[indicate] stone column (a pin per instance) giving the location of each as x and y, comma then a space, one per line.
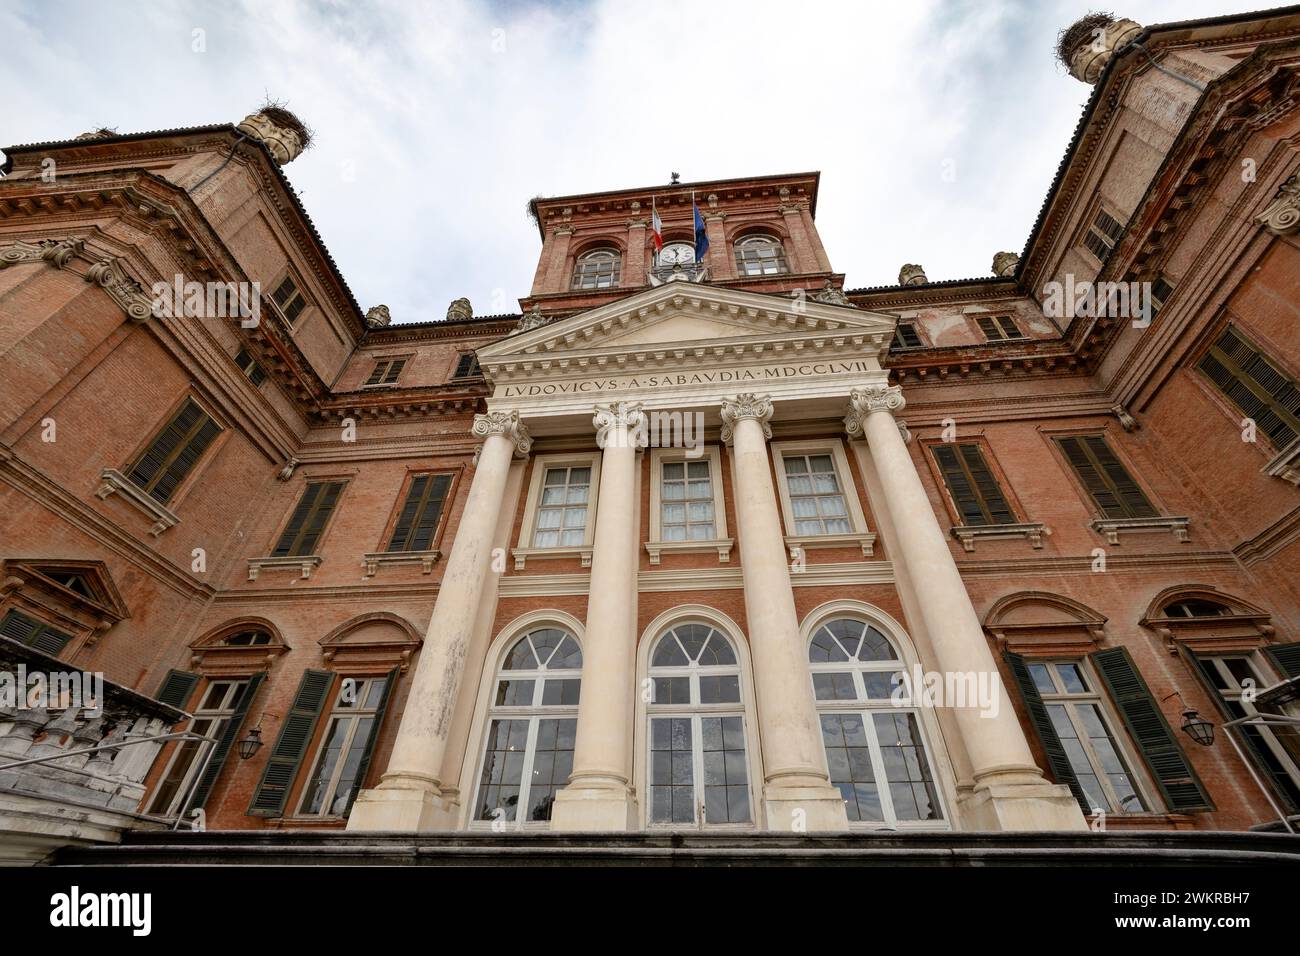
1010, 792
598, 796
797, 793
409, 796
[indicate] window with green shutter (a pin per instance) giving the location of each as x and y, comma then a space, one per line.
1150, 732
226, 737
176, 688
289, 300
1255, 385
173, 452
418, 520
974, 489
291, 746
1286, 658
309, 519
37, 635
1058, 762
1112, 488
248, 365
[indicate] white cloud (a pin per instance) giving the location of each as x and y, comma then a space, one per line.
452, 115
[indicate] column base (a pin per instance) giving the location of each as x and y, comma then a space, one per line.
594, 809
1020, 800
807, 809
408, 806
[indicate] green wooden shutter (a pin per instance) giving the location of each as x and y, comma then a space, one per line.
466, 366
35, 634
291, 746
362, 768
319, 518
1009, 328
176, 688
186, 457
1149, 730
986, 486
1256, 385
1058, 762
1130, 496
1286, 658
1113, 490
164, 445
173, 452
300, 512
377, 374
394, 370
959, 485
222, 749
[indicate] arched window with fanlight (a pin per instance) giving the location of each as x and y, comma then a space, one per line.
698, 770
532, 721
760, 255
597, 269
875, 747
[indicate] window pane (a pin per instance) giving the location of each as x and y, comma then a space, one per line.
849, 759
906, 767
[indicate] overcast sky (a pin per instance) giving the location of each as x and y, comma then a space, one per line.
937, 126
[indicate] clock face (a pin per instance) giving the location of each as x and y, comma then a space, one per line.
677, 254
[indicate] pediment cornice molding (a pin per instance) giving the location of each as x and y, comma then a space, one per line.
620, 335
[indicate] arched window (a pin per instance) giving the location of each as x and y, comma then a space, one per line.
250, 637
1195, 607
760, 255
699, 766
874, 746
597, 269
532, 721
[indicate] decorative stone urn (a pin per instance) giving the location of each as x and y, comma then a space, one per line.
284, 143
912, 274
460, 310
378, 316
1004, 263
1095, 50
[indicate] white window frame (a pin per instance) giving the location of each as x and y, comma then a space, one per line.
694, 711
524, 549
860, 535
218, 717
534, 713
1093, 696
865, 709
720, 542
1264, 678
337, 713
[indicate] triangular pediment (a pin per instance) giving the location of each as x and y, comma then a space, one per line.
696, 319
85, 585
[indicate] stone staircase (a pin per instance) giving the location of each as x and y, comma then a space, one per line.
335, 848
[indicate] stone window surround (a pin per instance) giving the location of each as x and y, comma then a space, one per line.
112, 481
523, 549
1032, 531
720, 543
1113, 528
860, 535
371, 561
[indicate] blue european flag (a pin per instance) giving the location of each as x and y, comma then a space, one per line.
701, 237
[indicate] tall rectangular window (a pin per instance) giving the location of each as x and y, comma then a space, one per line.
1080, 722
686, 501
975, 491
289, 300
309, 519
1260, 390
1112, 488
816, 498
997, 328
1102, 235
386, 371
418, 520
218, 706
173, 452
562, 510
344, 748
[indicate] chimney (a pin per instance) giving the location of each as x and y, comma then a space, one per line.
1087, 45
912, 274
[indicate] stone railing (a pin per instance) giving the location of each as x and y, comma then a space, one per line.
89, 795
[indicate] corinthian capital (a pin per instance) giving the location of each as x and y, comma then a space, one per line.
746, 405
864, 401
622, 423
503, 423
